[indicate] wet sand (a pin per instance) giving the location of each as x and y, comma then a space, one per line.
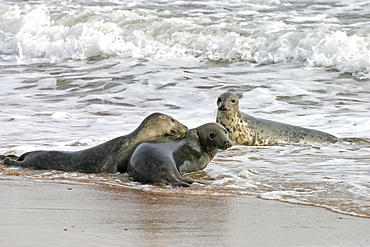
45, 213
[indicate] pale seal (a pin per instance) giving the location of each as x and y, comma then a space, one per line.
163, 161
111, 156
251, 131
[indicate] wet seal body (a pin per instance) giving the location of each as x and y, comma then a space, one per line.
247, 130
163, 161
111, 156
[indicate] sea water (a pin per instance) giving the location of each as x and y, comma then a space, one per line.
76, 73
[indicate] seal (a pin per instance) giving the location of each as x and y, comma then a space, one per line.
163, 161
251, 131
110, 157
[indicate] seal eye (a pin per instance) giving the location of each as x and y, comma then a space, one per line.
218, 100
212, 135
172, 120
233, 101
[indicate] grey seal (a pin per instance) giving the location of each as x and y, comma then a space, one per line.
247, 130
164, 161
111, 156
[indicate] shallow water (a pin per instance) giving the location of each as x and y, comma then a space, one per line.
77, 73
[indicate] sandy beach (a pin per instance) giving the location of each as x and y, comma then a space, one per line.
45, 213
76, 74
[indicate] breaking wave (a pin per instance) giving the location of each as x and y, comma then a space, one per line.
56, 32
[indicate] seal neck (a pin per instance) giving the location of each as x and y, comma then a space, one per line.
140, 134
210, 151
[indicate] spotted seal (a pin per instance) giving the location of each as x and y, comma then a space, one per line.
163, 161
110, 157
251, 131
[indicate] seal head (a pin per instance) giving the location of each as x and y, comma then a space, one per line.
228, 102
240, 129
159, 124
213, 137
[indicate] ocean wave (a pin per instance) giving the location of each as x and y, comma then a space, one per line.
48, 33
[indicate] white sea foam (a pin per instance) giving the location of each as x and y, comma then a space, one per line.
35, 33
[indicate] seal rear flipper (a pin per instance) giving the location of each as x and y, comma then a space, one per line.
10, 156
10, 162
2, 157
13, 157
354, 140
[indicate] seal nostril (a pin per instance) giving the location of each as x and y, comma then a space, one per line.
227, 144
222, 108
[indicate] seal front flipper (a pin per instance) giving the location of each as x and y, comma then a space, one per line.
179, 184
187, 180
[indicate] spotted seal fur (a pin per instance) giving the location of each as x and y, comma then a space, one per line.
247, 130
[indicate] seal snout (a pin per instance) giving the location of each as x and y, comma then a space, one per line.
227, 144
180, 132
184, 131
222, 107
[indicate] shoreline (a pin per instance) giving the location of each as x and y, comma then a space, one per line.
44, 213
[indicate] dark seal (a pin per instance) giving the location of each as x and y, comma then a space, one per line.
163, 161
247, 130
111, 156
